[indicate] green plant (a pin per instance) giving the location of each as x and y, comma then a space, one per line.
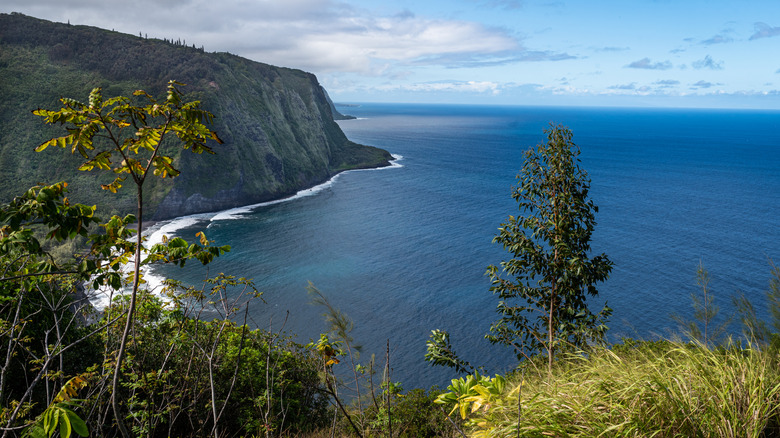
636, 389
59, 415
473, 393
127, 139
190, 371
386, 412
42, 341
702, 328
550, 272
763, 333
440, 352
329, 352
412, 414
188, 361
340, 326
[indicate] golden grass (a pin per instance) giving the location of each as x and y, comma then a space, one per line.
666, 389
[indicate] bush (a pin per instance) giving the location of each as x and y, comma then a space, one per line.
179, 366
413, 414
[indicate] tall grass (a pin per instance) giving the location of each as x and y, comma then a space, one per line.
653, 389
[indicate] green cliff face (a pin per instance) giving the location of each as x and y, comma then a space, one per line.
277, 123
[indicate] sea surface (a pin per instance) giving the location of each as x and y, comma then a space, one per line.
403, 250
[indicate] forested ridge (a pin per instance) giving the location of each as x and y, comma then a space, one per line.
277, 123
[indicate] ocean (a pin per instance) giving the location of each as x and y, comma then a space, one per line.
403, 250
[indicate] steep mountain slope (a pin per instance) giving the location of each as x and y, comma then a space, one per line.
277, 123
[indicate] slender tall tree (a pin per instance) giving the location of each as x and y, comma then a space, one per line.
542, 289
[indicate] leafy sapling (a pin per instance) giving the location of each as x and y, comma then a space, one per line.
128, 138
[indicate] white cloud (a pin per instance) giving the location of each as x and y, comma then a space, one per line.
609, 49
314, 35
646, 63
631, 86
465, 50
708, 63
717, 39
703, 84
667, 83
450, 86
764, 30
565, 90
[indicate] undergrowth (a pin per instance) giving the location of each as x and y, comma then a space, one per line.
661, 389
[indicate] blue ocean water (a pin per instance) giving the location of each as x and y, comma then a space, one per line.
403, 250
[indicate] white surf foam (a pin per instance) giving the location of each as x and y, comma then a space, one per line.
155, 234
239, 212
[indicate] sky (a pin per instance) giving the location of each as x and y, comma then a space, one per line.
640, 53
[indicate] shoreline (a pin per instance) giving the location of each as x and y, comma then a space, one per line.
154, 230
393, 163
230, 213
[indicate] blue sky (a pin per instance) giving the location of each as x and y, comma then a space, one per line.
648, 53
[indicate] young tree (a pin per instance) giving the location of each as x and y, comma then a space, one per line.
543, 288
702, 328
127, 139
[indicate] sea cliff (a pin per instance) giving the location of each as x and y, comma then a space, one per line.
277, 123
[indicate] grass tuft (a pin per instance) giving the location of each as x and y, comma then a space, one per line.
648, 389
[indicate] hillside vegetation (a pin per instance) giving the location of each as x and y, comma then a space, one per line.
277, 123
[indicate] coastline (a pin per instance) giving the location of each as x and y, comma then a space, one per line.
155, 230
233, 213
392, 163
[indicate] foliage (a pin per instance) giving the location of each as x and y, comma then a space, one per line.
440, 352
340, 326
412, 414
42, 339
133, 133
59, 416
187, 356
188, 362
125, 137
641, 389
46, 208
705, 311
398, 413
550, 272
635, 388
186, 373
474, 393
368, 409
754, 329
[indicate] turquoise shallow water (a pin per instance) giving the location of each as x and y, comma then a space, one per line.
403, 250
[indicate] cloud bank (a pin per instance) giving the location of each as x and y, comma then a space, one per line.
314, 35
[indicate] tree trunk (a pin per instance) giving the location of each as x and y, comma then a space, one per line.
130, 317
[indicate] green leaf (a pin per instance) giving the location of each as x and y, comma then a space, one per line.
65, 429
35, 431
78, 425
50, 419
